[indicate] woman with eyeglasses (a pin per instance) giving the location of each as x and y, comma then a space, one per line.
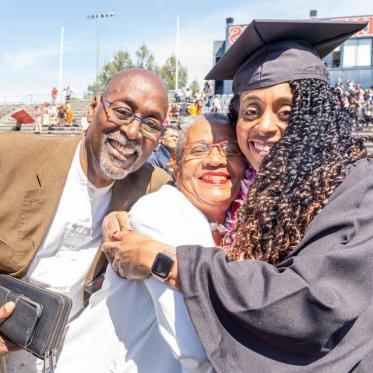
293, 289
131, 319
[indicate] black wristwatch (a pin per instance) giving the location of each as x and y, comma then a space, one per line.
162, 266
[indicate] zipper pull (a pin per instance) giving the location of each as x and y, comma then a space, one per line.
50, 361
46, 364
53, 359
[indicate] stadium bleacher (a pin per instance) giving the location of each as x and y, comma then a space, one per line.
7, 123
79, 108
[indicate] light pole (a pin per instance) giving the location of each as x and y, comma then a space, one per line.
177, 56
97, 17
61, 65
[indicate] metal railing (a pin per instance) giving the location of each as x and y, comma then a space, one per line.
30, 99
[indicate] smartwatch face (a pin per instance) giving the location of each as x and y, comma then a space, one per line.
162, 265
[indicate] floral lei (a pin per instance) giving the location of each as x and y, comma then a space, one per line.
227, 230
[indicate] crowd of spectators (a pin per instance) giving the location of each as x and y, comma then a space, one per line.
52, 115
359, 100
186, 103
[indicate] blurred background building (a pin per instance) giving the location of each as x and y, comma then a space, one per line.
352, 61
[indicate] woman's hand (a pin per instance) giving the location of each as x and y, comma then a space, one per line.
130, 254
134, 254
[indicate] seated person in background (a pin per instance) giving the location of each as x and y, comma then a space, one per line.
192, 109
165, 152
69, 114
46, 116
52, 112
61, 115
174, 112
183, 110
143, 326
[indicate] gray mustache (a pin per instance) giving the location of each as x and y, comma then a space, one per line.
124, 141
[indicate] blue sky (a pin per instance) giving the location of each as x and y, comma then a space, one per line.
30, 34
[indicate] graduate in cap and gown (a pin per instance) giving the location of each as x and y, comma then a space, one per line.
293, 290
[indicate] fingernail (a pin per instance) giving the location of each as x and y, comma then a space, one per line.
9, 307
116, 235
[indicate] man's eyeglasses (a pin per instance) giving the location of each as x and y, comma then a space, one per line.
122, 116
199, 149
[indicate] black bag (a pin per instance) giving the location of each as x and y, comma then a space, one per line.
39, 319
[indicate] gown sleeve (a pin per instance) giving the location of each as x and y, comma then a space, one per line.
299, 311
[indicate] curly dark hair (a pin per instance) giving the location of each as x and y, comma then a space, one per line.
301, 172
234, 108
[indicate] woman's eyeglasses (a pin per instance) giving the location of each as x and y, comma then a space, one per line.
202, 149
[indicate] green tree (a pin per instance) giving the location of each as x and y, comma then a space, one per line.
146, 59
195, 88
120, 61
168, 71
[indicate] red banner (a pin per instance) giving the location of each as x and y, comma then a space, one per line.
22, 116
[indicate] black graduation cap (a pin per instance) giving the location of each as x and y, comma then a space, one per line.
270, 52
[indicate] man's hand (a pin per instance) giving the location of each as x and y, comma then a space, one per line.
5, 311
133, 256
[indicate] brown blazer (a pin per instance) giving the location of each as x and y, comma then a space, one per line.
33, 171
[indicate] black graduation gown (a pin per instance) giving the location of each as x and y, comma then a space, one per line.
311, 313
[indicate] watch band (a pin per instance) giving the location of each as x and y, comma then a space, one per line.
163, 264
170, 251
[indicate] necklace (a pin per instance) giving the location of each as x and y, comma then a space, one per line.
228, 229
217, 232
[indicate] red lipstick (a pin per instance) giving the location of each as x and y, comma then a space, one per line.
217, 178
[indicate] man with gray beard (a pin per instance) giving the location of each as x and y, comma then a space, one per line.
56, 191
